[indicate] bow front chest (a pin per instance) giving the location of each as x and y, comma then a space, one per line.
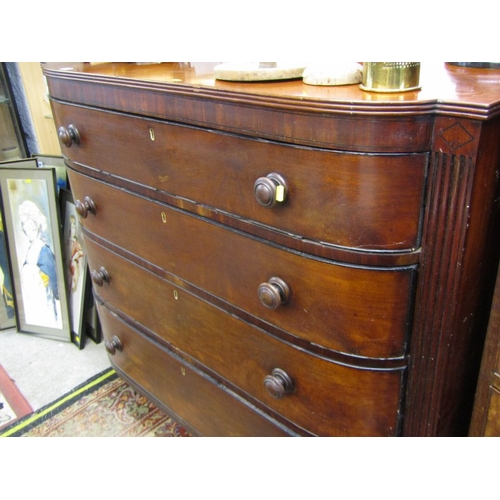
277, 258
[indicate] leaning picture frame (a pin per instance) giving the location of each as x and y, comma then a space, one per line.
75, 267
7, 303
22, 163
56, 162
33, 229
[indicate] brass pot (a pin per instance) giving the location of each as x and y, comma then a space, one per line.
391, 76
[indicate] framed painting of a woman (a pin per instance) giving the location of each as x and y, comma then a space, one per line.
33, 231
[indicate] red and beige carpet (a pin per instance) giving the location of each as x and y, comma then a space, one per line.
104, 406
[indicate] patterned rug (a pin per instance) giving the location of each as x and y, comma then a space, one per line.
104, 406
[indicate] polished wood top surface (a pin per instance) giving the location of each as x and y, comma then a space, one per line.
446, 88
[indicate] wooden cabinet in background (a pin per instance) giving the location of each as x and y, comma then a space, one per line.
277, 258
486, 415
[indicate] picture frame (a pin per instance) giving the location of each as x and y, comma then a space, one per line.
31, 215
24, 163
56, 162
75, 267
7, 302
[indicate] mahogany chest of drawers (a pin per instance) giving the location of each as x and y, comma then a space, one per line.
282, 259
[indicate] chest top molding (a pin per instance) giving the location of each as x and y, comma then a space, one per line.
446, 89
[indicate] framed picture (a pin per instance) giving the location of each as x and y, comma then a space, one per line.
7, 303
26, 163
56, 162
75, 267
31, 219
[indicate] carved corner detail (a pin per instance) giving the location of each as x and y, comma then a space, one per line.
457, 137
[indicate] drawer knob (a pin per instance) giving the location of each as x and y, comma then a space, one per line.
278, 383
100, 277
274, 293
83, 208
270, 190
113, 345
69, 136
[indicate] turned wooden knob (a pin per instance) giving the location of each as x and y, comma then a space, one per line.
270, 190
113, 345
99, 277
278, 383
274, 293
69, 136
83, 208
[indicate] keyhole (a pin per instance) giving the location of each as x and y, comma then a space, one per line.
151, 134
164, 217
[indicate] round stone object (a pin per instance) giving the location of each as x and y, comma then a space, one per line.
333, 74
258, 72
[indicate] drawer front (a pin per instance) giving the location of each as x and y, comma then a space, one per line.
362, 201
360, 311
327, 398
208, 410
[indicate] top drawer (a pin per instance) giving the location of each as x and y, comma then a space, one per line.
362, 201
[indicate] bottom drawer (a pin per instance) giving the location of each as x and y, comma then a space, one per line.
207, 409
